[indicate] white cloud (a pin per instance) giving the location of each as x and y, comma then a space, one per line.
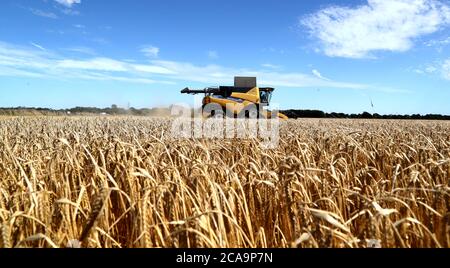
438, 44
273, 50
317, 74
55, 32
215, 74
23, 58
430, 69
213, 54
38, 46
444, 69
82, 50
17, 61
70, 12
101, 64
441, 42
440, 68
6, 71
299, 80
379, 25
270, 66
25, 61
150, 51
152, 69
107, 77
68, 3
44, 14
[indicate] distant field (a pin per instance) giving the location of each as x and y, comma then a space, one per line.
121, 182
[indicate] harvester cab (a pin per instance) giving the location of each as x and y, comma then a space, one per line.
244, 99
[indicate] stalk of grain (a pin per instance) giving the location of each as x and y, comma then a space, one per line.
5, 236
96, 209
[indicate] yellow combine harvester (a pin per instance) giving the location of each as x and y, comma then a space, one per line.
243, 100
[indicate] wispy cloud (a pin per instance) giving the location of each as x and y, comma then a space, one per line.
431, 69
317, 74
68, 3
100, 41
270, 66
215, 74
13, 72
19, 61
273, 50
439, 44
150, 51
213, 55
67, 7
60, 32
152, 69
100, 64
385, 89
379, 25
440, 68
82, 50
38, 46
28, 61
70, 12
45, 14
446, 69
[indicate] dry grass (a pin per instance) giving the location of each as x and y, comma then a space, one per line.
118, 182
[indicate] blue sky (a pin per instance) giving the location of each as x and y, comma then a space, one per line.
329, 55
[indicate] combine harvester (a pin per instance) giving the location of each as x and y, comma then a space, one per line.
245, 99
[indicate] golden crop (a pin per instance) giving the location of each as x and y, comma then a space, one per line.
120, 182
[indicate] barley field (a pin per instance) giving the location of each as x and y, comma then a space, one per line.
120, 182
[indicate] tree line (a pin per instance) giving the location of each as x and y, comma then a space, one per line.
364, 115
113, 110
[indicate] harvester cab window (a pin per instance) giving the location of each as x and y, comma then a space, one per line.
265, 96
